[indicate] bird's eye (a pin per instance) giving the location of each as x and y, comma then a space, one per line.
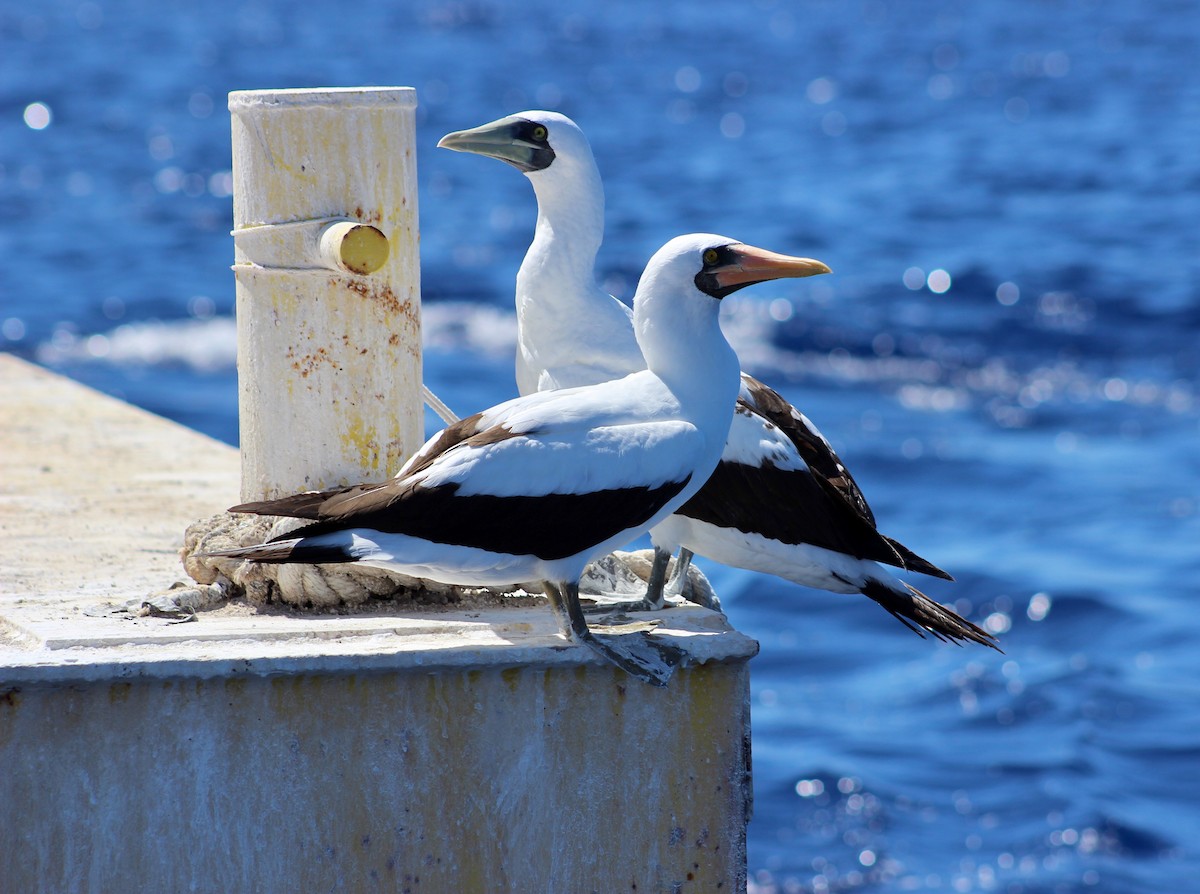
539, 133
710, 256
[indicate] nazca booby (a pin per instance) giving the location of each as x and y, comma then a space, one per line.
537, 487
780, 501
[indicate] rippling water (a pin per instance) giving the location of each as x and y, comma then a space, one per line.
1006, 355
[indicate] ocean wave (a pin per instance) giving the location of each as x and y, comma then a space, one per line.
210, 345
205, 345
929, 375
453, 326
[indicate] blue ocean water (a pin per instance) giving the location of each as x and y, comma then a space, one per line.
1006, 356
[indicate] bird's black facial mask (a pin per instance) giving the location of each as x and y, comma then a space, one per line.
531, 142
716, 259
522, 143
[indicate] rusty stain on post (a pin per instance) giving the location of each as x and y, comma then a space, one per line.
329, 366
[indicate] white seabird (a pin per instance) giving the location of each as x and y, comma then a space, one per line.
537, 487
780, 501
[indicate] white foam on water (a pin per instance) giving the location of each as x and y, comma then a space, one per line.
465, 326
926, 381
208, 345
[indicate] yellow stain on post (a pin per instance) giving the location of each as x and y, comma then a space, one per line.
360, 443
285, 303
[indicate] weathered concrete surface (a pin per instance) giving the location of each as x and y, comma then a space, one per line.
488, 781
94, 493
265, 751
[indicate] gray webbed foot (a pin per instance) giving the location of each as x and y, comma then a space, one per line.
634, 652
639, 655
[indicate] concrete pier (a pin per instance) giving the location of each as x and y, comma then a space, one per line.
261, 750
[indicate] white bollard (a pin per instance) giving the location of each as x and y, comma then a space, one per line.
328, 286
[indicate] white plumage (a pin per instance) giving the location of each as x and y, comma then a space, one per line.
781, 501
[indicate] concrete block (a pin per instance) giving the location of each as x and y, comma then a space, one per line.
469, 750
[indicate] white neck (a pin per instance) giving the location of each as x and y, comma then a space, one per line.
570, 228
675, 331
570, 332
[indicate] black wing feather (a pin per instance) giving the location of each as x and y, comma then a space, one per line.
765, 499
549, 526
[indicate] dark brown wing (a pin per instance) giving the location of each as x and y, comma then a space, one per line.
821, 505
916, 611
549, 526
815, 450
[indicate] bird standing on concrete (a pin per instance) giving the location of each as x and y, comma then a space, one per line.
780, 501
537, 487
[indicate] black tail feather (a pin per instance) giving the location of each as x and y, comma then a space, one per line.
910, 561
284, 552
920, 614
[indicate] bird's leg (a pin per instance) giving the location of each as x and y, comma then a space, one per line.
678, 581
677, 586
658, 577
558, 603
573, 612
635, 653
658, 587
652, 601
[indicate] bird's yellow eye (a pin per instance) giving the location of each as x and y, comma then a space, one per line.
539, 133
710, 256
